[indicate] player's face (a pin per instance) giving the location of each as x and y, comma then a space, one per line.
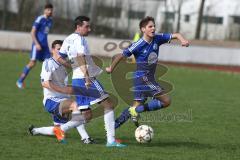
56, 49
84, 29
149, 29
48, 12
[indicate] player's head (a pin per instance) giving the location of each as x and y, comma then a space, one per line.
147, 26
56, 45
82, 25
48, 9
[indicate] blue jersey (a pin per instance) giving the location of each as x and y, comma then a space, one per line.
146, 54
42, 26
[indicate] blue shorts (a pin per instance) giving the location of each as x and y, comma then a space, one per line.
145, 87
86, 97
39, 55
52, 106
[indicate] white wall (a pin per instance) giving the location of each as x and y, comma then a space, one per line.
168, 52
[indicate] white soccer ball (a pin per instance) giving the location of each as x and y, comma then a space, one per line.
144, 134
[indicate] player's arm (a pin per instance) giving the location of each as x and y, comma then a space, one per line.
64, 62
116, 59
34, 38
50, 85
80, 59
179, 37
81, 62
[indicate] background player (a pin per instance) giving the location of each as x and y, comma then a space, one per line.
146, 51
40, 49
56, 101
84, 76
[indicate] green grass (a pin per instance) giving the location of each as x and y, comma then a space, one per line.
203, 121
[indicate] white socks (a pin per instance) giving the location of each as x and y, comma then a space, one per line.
77, 119
109, 125
48, 131
82, 131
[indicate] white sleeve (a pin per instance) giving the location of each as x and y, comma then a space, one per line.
46, 73
63, 51
79, 47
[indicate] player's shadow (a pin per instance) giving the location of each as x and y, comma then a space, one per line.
179, 144
195, 145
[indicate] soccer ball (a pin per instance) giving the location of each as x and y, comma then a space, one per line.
144, 134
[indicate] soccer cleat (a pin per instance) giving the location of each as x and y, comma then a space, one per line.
30, 129
20, 85
134, 116
59, 134
115, 144
88, 141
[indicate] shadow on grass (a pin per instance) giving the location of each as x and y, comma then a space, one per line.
170, 144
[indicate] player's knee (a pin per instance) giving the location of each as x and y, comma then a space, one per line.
31, 64
74, 106
166, 102
88, 115
107, 104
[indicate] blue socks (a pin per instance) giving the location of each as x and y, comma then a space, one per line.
125, 115
24, 74
150, 106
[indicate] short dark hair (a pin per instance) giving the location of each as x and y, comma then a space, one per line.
79, 20
54, 43
145, 21
48, 5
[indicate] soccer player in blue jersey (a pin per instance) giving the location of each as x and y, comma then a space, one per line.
146, 51
40, 50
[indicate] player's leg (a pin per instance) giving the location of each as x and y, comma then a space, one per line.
160, 98
68, 108
127, 113
96, 94
86, 139
124, 116
47, 131
159, 101
25, 72
110, 123
34, 55
65, 110
109, 119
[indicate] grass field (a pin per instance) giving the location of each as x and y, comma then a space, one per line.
203, 121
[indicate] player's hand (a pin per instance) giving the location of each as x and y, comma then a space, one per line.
108, 69
185, 43
38, 47
88, 82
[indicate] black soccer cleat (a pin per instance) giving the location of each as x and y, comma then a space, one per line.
135, 120
88, 141
30, 129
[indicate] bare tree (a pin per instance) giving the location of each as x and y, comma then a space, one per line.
4, 14
179, 15
199, 22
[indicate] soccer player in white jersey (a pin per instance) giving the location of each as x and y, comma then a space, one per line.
75, 47
57, 102
40, 50
146, 51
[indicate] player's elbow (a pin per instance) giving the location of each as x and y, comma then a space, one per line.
176, 35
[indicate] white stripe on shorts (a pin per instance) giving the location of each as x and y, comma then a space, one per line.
34, 53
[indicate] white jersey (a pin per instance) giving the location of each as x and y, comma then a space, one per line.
75, 45
57, 74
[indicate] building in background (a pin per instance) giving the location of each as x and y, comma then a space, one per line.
120, 18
